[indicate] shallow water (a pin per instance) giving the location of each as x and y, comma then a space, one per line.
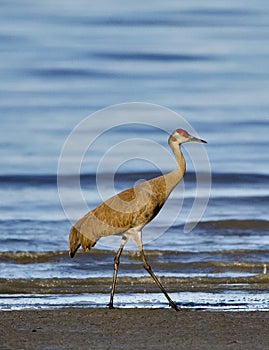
61, 62
224, 301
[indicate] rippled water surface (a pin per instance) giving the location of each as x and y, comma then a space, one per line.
61, 61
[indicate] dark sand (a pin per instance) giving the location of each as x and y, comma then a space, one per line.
133, 329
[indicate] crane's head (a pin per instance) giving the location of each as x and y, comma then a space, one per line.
180, 136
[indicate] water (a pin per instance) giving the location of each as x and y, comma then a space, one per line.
208, 62
239, 301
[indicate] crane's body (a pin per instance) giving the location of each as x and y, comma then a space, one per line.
129, 211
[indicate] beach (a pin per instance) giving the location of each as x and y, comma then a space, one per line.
93, 328
91, 92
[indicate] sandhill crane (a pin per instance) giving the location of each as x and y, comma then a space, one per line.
128, 212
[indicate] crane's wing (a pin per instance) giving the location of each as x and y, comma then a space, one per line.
133, 207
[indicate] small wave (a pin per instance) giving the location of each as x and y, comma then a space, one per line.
234, 178
131, 284
27, 257
51, 179
163, 256
236, 224
162, 57
24, 257
28, 180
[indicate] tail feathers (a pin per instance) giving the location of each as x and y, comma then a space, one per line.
77, 239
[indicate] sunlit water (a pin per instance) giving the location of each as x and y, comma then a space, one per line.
59, 63
225, 301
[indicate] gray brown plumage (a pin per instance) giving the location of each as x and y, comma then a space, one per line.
129, 211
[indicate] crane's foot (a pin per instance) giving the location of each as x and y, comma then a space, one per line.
174, 306
110, 306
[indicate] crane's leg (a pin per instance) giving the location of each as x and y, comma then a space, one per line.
149, 270
147, 267
116, 266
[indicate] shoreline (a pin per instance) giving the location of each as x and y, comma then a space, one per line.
258, 282
102, 328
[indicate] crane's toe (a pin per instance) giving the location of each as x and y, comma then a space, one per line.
175, 307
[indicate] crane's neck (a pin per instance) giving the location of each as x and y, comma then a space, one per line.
175, 176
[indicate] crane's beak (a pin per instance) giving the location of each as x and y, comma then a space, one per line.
195, 139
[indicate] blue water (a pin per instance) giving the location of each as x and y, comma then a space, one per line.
208, 62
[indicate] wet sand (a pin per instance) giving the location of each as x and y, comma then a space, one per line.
75, 328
